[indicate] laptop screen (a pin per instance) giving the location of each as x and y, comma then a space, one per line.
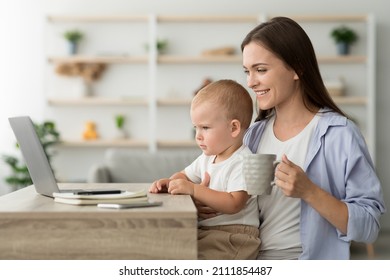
34, 155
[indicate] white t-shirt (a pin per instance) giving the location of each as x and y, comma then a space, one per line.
279, 214
225, 176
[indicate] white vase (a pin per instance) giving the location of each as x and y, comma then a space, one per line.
343, 48
83, 88
73, 48
121, 134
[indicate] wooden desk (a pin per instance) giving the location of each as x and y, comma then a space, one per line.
35, 227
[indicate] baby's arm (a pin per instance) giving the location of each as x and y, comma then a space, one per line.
161, 185
223, 202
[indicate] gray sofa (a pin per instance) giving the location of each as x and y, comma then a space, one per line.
140, 166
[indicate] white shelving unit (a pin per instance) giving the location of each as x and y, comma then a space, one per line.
163, 67
358, 101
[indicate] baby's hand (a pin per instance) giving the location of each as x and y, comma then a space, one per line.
159, 186
181, 186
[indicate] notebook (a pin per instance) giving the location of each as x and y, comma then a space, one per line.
37, 162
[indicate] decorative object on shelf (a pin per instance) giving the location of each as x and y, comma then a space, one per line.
90, 132
335, 87
220, 51
73, 37
89, 72
83, 88
161, 46
344, 37
20, 177
120, 122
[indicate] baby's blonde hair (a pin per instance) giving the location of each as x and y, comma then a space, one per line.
230, 96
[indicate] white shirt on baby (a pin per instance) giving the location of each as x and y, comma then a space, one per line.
225, 176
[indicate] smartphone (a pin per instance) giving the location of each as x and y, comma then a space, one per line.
96, 192
130, 205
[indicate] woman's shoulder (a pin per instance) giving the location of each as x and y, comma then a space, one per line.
257, 125
253, 134
340, 131
334, 123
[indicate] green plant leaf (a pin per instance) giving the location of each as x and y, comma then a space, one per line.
344, 34
73, 35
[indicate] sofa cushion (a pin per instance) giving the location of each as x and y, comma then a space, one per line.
138, 166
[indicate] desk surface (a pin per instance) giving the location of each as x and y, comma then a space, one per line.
27, 202
35, 227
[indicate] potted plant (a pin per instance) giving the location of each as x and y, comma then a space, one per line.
120, 122
161, 45
20, 177
73, 37
344, 37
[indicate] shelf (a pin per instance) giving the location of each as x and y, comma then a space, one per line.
99, 59
350, 100
98, 101
199, 59
97, 18
206, 18
342, 100
126, 143
342, 59
173, 102
176, 144
177, 59
202, 18
104, 143
327, 18
144, 59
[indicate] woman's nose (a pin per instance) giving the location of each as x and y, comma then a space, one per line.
251, 81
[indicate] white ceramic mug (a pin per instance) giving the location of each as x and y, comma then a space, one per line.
259, 172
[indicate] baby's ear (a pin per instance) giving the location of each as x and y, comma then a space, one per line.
235, 127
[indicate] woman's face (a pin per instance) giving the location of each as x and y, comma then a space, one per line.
274, 84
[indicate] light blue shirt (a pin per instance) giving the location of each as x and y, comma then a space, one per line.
339, 162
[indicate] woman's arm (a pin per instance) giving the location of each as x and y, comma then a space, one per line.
332, 209
294, 183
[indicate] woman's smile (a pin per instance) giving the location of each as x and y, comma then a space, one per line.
261, 92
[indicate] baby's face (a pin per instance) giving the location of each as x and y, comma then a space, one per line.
213, 130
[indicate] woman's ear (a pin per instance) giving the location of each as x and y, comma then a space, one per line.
235, 127
297, 74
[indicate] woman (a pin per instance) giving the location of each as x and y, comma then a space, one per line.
327, 193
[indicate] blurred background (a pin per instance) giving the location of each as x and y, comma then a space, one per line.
129, 79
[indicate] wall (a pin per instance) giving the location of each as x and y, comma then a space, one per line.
21, 65
22, 58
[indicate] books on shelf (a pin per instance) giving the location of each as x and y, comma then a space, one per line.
125, 197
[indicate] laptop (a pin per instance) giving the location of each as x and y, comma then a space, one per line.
37, 162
